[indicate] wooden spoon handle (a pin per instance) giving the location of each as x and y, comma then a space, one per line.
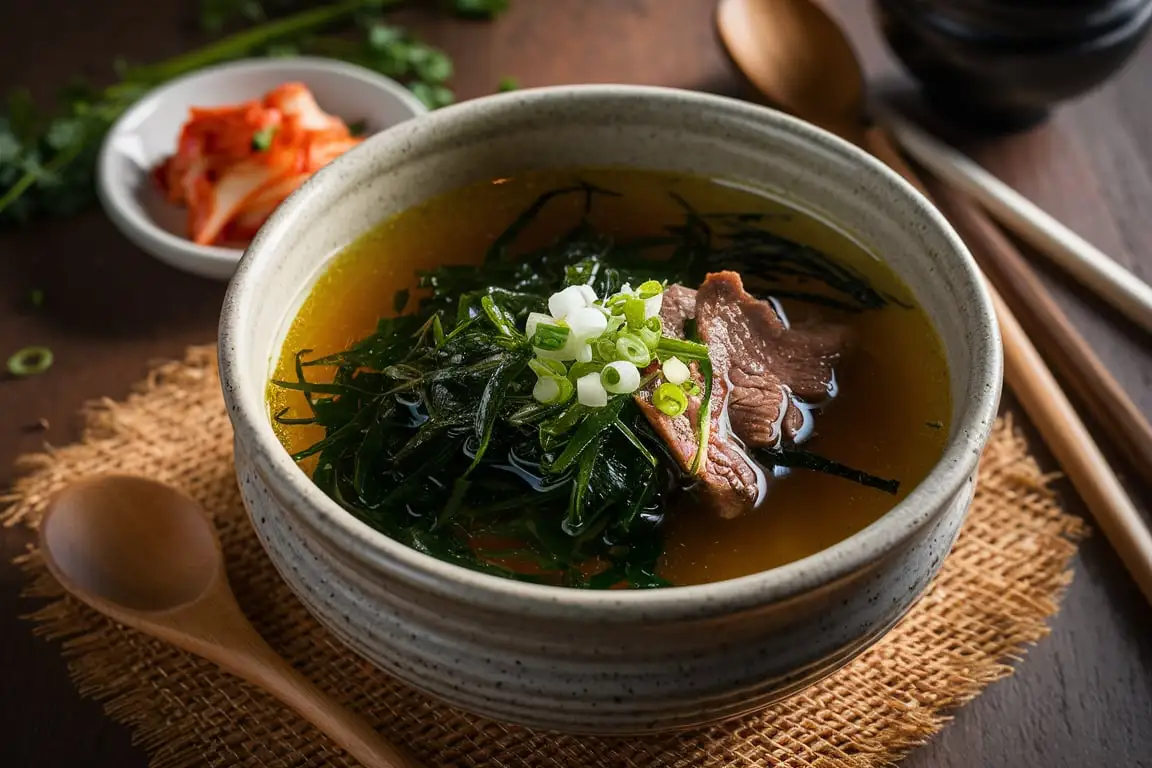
349, 731
1054, 335
216, 628
1055, 418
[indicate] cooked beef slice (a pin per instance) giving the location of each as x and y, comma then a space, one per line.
728, 483
678, 305
762, 359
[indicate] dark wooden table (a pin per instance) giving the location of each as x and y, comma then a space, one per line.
1082, 697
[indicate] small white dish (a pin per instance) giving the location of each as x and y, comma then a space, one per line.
147, 133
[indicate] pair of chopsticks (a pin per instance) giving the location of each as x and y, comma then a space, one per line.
1054, 335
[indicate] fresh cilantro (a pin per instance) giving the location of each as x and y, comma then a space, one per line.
480, 9
433, 96
508, 84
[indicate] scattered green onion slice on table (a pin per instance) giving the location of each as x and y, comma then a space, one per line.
30, 361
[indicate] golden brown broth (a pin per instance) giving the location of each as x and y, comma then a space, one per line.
893, 383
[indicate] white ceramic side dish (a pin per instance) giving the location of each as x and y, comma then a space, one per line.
147, 132
619, 661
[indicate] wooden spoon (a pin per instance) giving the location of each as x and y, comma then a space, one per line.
148, 556
794, 53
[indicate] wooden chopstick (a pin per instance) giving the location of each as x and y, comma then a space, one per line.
1047, 405
1074, 254
1051, 331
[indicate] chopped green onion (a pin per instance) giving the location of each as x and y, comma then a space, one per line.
552, 390
685, 350
562, 303
534, 319
620, 377
703, 419
30, 361
634, 313
549, 337
675, 371
543, 366
605, 349
651, 332
590, 392
580, 370
670, 399
586, 322
629, 347
649, 289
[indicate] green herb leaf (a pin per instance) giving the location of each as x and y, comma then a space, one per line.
483, 9
508, 84
433, 96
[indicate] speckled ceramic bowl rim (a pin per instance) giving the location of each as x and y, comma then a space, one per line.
344, 533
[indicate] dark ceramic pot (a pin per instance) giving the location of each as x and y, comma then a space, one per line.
1002, 64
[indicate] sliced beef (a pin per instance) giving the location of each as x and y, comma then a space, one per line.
729, 483
678, 306
757, 361
763, 360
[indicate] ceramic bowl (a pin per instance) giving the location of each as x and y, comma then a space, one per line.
1003, 65
604, 662
147, 133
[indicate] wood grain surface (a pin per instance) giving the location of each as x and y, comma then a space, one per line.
1081, 698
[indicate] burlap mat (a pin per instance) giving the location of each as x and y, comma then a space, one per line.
1000, 583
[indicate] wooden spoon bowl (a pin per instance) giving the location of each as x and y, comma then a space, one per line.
148, 556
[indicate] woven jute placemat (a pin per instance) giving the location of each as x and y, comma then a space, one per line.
1001, 582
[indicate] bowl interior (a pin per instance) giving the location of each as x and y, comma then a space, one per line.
149, 131
633, 127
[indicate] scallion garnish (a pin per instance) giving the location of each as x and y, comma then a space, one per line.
549, 337
670, 399
685, 350
552, 390
620, 377
675, 371
30, 361
650, 332
630, 347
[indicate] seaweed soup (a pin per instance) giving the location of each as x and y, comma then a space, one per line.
611, 378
